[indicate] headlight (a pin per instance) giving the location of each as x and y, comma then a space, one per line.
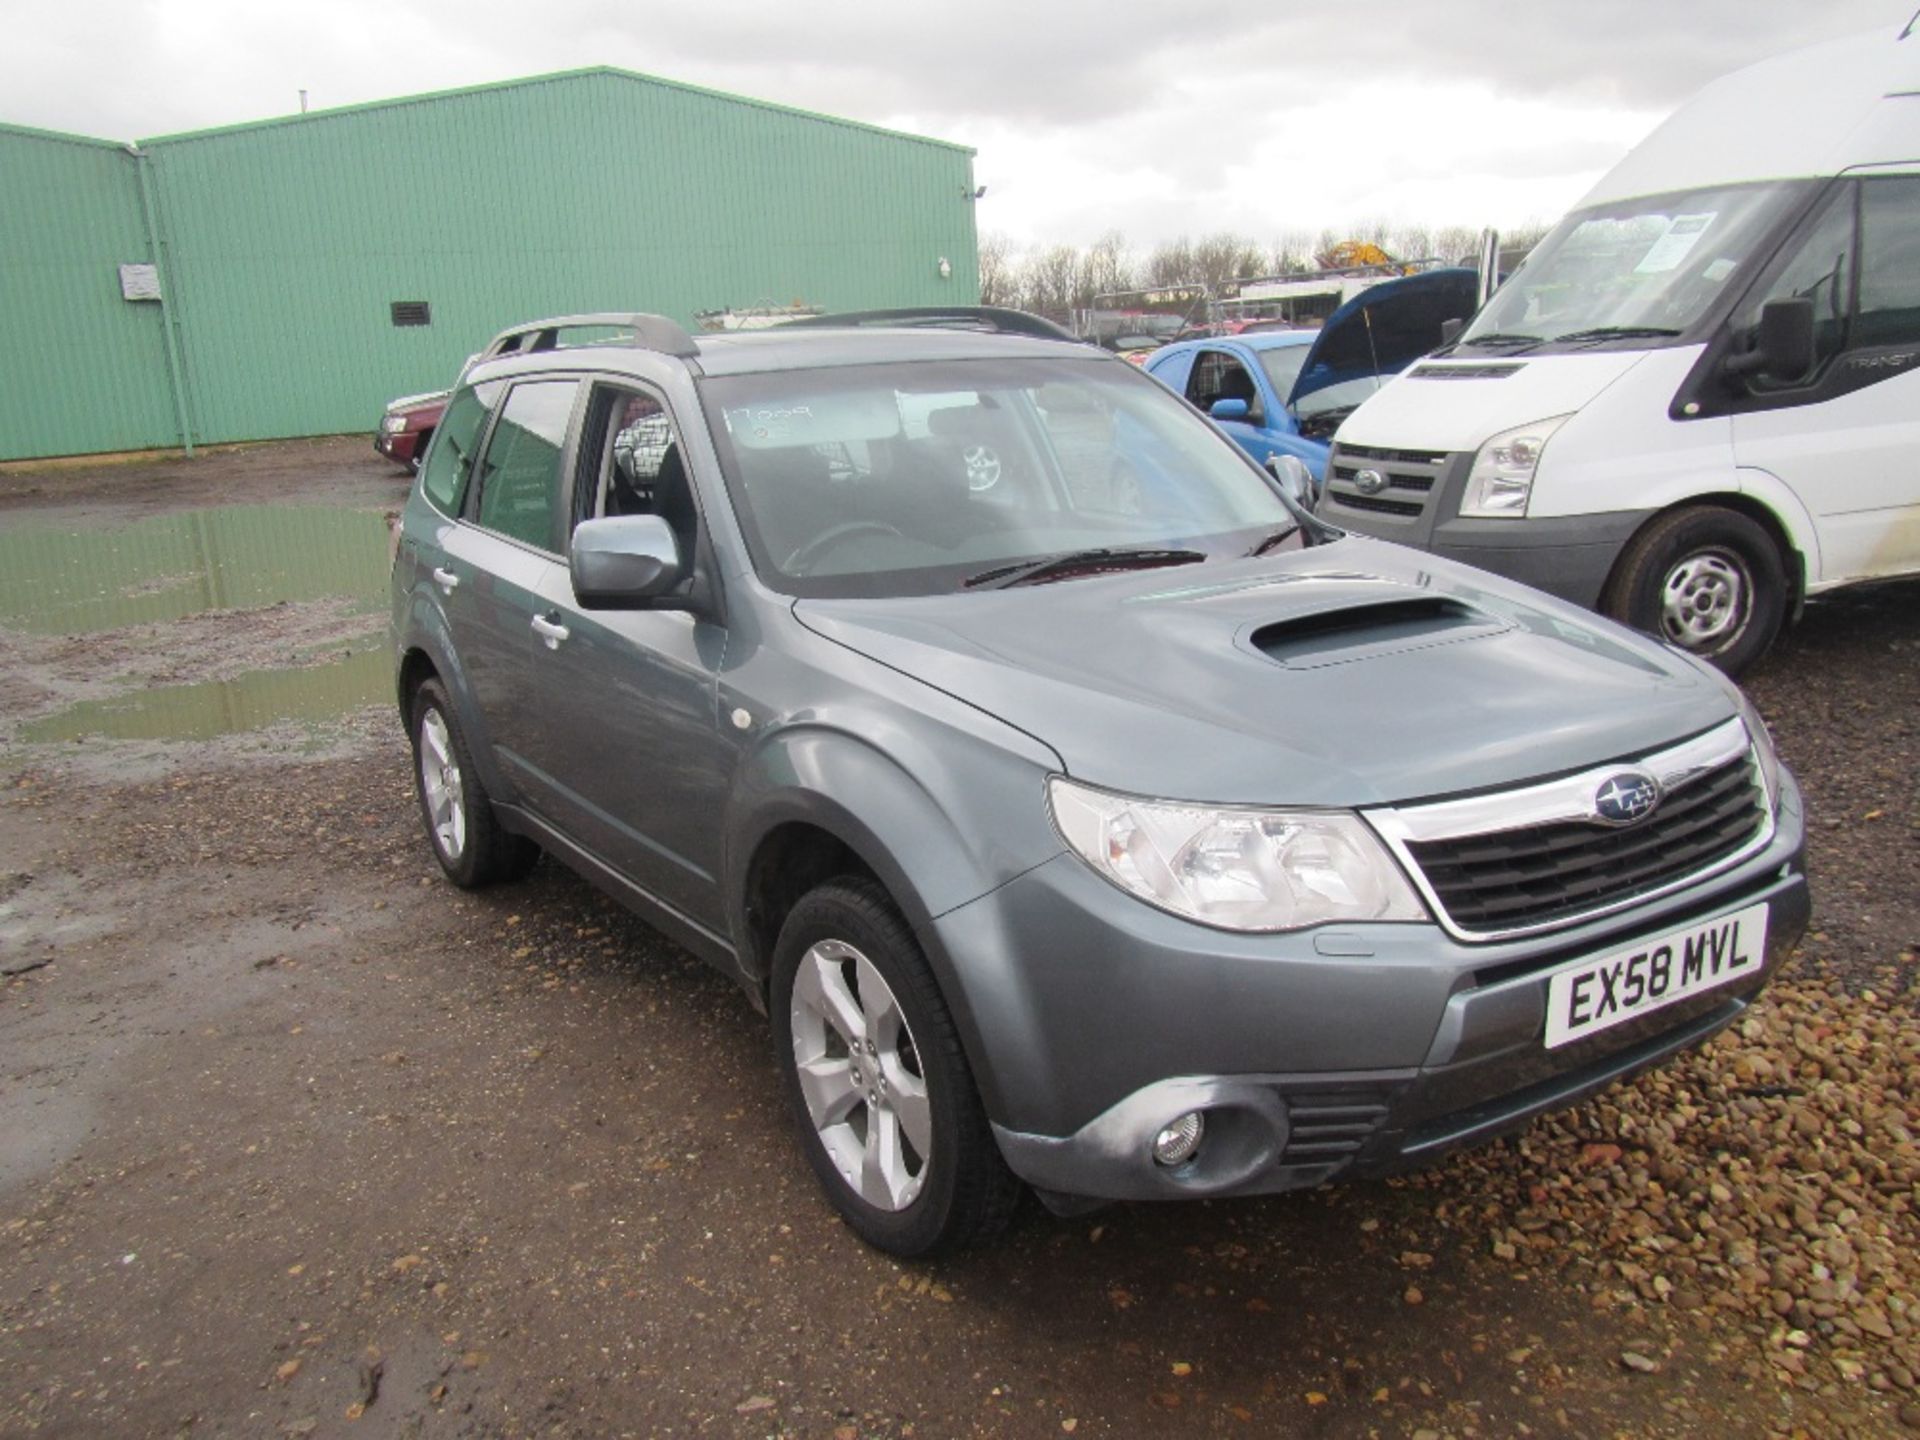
1502, 474
1762, 738
393, 424
1237, 869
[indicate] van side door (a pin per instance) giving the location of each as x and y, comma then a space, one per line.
1845, 437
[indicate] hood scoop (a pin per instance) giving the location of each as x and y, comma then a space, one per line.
1369, 629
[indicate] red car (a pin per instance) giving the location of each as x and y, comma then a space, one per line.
407, 425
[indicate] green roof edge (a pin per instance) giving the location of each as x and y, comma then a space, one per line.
33, 132
549, 78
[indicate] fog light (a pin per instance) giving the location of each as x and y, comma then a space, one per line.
1175, 1144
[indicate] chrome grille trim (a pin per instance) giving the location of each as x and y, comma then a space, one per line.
1568, 800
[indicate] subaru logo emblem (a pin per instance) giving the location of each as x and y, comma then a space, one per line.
1369, 482
1626, 797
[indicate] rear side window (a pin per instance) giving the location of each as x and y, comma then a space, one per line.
520, 477
1889, 261
450, 462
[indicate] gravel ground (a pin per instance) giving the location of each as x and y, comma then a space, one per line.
294, 1139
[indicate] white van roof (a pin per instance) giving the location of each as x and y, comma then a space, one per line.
1817, 111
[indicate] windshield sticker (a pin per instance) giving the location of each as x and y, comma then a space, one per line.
1719, 270
1681, 235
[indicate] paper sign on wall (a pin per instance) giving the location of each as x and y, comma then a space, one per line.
140, 282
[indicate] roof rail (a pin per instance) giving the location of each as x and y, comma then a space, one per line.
995, 319
650, 332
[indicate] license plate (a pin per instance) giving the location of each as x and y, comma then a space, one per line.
1589, 996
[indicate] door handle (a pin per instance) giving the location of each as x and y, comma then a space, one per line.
446, 580
550, 631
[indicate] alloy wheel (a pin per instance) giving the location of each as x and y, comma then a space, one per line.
440, 782
860, 1075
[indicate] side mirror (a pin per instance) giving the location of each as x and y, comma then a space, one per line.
1783, 342
623, 562
1296, 480
1230, 410
1450, 330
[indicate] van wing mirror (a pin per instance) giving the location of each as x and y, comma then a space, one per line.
1230, 410
1450, 330
624, 562
1783, 342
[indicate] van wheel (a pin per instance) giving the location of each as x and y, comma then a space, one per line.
466, 836
1707, 579
880, 1088
419, 451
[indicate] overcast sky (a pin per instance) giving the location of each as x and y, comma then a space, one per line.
1152, 117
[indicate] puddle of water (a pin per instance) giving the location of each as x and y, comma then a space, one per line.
228, 707
237, 557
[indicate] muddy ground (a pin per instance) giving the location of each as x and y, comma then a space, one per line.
296, 1139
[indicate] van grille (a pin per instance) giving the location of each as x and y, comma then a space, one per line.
1410, 478
1543, 874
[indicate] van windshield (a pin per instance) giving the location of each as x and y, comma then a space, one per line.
918, 477
1632, 270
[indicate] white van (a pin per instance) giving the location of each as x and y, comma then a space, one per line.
1698, 400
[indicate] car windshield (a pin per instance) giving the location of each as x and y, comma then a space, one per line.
917, 478
1282, 364
1633, 269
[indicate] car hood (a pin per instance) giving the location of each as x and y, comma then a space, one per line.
1351, 673
1386, 328
414, 402
1457, 402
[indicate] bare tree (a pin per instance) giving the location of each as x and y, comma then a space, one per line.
1048, 281
1225, 256
999, 284
1107, 266
1171, 263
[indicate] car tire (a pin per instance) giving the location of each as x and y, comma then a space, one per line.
467, 837
888, 1114
419, 451
1707, 579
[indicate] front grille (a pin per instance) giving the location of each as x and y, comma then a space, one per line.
1543, 874
1331, 1126
1410, 475
1419, 484
1408, 457
1373, 503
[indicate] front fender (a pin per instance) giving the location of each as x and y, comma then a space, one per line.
979, 821
1788, 508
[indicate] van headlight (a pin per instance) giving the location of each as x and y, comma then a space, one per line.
1257, 870
393, 424
1502, 475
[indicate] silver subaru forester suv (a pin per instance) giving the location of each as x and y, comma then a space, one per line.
1085, 814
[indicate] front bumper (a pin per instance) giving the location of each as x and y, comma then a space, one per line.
398, 446
1567, 556
1347, 1051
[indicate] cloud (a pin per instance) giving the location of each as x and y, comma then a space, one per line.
1132, 114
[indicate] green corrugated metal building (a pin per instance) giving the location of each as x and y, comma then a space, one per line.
280, 248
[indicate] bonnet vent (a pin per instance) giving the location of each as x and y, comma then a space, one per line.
1358, 632
1499, 370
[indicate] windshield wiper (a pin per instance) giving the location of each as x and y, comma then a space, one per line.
1615, 332
1504, 340
1277, 537
1057, 566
